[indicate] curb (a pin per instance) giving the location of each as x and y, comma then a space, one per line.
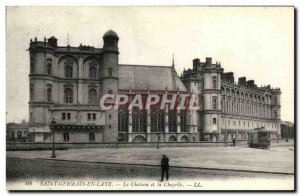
181, 167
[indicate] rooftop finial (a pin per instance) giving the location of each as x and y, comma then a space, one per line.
68, 39
173, 64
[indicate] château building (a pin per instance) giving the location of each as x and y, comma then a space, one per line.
66, 83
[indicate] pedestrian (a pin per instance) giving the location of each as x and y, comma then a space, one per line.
164, 164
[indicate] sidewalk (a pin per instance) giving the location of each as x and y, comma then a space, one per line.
278, 159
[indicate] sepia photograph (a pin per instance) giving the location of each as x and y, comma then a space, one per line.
150, 98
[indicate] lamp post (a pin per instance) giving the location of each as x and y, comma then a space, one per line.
158, 139
53, 122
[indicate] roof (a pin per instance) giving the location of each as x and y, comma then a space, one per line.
110, 33
142, 77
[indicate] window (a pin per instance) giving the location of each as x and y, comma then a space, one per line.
92, 99
66, 116
30, 117
92, 72
19, 134
139, 121
68, 69
157, 121
12, 135
214, 103
49, 66
214, 82
66, 137
49, 93
228, 122
91, 137
31, 65
68, 95
31, 92
183, 121
275, 100
214, 121
91, 116
172, 121
123, 121
110, 70
275, 113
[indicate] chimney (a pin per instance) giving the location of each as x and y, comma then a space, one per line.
208, 61
242, 81
196, 63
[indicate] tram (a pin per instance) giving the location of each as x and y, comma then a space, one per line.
259, 138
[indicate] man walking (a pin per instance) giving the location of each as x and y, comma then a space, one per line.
164, 164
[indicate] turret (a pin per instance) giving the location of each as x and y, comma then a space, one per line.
110, 61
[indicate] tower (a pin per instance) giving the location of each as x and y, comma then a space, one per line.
109, 70
41, 81
211, 95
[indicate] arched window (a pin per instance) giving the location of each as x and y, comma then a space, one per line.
12, 135
49, 66
31, 92
66, 137
222, 107
68, 95
214, 103
139, 120
92, 72
49, 93
92, 96
214, 82
275, 113
91, 137
19, 134
68, 69
123, 121
157, 121
172, 121
183, 121
110, 71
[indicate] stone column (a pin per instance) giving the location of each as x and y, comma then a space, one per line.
148, 126
178, 124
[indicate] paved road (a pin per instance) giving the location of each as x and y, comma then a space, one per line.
22, 169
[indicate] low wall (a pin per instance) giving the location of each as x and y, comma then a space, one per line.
10, 146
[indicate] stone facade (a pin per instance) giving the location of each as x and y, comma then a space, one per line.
66, 83
229, 109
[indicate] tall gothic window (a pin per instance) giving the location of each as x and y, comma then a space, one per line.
214, 103
172, 121
157, 121
92, 72
214, 82
49, 66
183, 121
49, 93
139, 121
68, 95
123, 121
92, 98
68, 69
31, 92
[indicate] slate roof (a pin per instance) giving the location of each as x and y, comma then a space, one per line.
140, 77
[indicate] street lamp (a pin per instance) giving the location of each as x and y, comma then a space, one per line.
158, 139
53, 122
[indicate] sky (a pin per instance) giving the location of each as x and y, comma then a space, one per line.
256, 42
